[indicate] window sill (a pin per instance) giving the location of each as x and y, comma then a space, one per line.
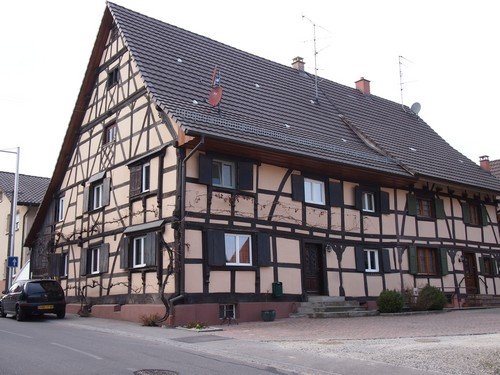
234, 268
144, 195
425, 218
368, 213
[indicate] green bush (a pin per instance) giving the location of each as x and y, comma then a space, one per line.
390, 301
431, 298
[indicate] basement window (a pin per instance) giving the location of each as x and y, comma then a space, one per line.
227, 311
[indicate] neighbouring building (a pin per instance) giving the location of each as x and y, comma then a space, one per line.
30, 194
219, 181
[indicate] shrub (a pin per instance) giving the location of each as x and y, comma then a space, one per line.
150, 320
390, 301
196, 325
431, 298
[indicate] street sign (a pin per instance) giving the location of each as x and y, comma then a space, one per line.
13, 262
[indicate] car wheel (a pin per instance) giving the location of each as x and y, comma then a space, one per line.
20, 315
61, 314
2, 314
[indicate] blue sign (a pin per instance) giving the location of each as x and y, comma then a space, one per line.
13, 262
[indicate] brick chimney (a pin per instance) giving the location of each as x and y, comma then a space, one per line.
484, 162
363, 85
298, 63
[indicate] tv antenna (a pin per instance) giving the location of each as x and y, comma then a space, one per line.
401, 83
315, 57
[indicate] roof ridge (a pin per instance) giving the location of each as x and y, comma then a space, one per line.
25, 175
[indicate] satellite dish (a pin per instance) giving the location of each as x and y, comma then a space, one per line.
415, 107
215, 96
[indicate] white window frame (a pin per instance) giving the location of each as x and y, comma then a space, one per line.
238, 238
94, 262
226, 184
110, 133
97, 196
371, 267
136, 263
65, 257
228, 307
145, 172
313, 199
60, 209
367, 198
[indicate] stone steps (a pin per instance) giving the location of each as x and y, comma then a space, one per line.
482, 300
320, 307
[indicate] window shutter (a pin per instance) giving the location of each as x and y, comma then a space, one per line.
216, 247
263, 250
444, 262
135, 180
494, 268
336, 194
125, 253
412, 258
465, 213
411, 202
481, 265
83, 262
150, 246
106, 188
358, 198
484, 215
86, 198
386, 261
297, 188
104, 258
360, 258
439, 208
384, 202
205, 169
245, 175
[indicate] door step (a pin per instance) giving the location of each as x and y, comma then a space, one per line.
319, 307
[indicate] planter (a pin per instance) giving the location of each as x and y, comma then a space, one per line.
268, 315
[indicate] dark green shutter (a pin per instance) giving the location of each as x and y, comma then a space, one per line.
106, 190
412, 259
263, 250
439, 208
358, 198
216, 248
150, 246
336, 194
135, 180
83, 262
444, 262
245, 175
205, 169
384, 202
125, 253
104, 258
494, 267
386, 261
86, 198
481, 265
411, 201
465, 213
360, 258
297, 188
484, 214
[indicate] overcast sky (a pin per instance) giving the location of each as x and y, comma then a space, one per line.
451, 49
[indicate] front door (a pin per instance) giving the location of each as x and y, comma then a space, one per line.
470, 274
313, 269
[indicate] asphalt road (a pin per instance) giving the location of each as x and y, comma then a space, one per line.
97, 346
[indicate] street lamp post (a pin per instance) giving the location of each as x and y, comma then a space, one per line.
13, 212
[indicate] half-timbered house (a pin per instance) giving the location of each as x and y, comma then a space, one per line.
279, 191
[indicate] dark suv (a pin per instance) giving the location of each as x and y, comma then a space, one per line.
33, 297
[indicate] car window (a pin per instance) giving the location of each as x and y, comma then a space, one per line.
44, 287
15, 288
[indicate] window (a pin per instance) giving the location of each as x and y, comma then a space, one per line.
60, 209
145, 177
140, 180
425, 207
488, 266
96, 196
227, 311
314, 191
238, 249
371, 261
113, 77
474, 214
223, 174
427, 262
64, 265
138, 252
368, 199
110, 133
94, 261
96, 193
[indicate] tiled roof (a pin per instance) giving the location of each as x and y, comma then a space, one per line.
270, 105
31, 188
495, 168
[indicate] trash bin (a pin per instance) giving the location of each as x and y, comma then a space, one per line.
277, 289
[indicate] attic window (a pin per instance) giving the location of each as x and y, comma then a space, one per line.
287, 126
179, 60
257, 86
195, 101
412, 149
113, 77
114, 33
344, 140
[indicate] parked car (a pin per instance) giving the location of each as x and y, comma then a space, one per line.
33, 297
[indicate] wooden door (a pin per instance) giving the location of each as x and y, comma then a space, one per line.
470, 274
313, 269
